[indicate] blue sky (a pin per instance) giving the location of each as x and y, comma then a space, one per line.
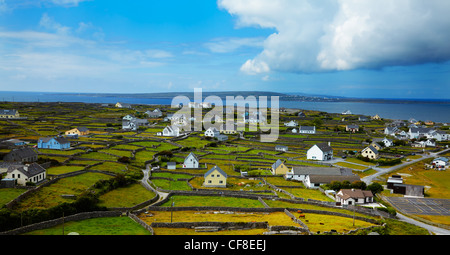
382, 49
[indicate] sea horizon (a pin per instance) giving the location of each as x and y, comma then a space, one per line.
431, 109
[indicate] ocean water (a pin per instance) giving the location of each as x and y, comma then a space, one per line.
420, 111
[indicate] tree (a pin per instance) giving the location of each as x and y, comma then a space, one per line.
375, 188
359, 185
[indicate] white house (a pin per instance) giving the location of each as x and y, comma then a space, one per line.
291, 123
191, 161
439, 135
386, 142
320, 151
154, 114
440, 162
122, 105
281, 148
307, 130
347, 112
391, 130
171, 131
128, 117
34, 173
212, 132
134, 124
354, 196
417, 132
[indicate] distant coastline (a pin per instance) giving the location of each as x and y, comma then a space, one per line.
282, 97
404, 109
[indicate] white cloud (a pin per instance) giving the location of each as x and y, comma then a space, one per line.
158, 54
52, 25
315, 36
67, 3
255, 67
226, 45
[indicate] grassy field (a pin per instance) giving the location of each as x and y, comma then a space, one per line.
6, 195
126, 197
315, 222
96, 226
50, 196
201, 201
63, 169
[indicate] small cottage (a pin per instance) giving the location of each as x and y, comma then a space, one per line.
281, 148
23, 155
212, 132
34, 173
370, 152
352, 128
9, 114
54, 143
307, 130
354, 196
171, 131
122, 105
191, 161
80, 131
291, 123
279, 168
215, 177
320, 151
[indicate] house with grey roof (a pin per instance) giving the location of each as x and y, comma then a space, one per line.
23, 155
134, 123
315, 181
279, 168
54, 143
215, 177
352, 128
191, 161
34, 173
307, 130
370, 152
354, 196
418, 132
154, 114
299, 173
9, 114
320, 151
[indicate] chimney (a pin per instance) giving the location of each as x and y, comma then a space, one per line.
329, 143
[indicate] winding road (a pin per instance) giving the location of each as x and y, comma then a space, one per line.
381, 171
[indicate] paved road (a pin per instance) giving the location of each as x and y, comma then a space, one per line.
144, 182
433, 229
381, 171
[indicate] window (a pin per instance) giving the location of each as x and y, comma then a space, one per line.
220, 182
212, 175
218, 175
209, 181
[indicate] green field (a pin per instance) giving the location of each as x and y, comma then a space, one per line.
96, 226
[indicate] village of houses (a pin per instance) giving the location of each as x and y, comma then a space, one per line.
338, 165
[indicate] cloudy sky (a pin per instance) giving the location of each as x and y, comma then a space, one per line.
356, 48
